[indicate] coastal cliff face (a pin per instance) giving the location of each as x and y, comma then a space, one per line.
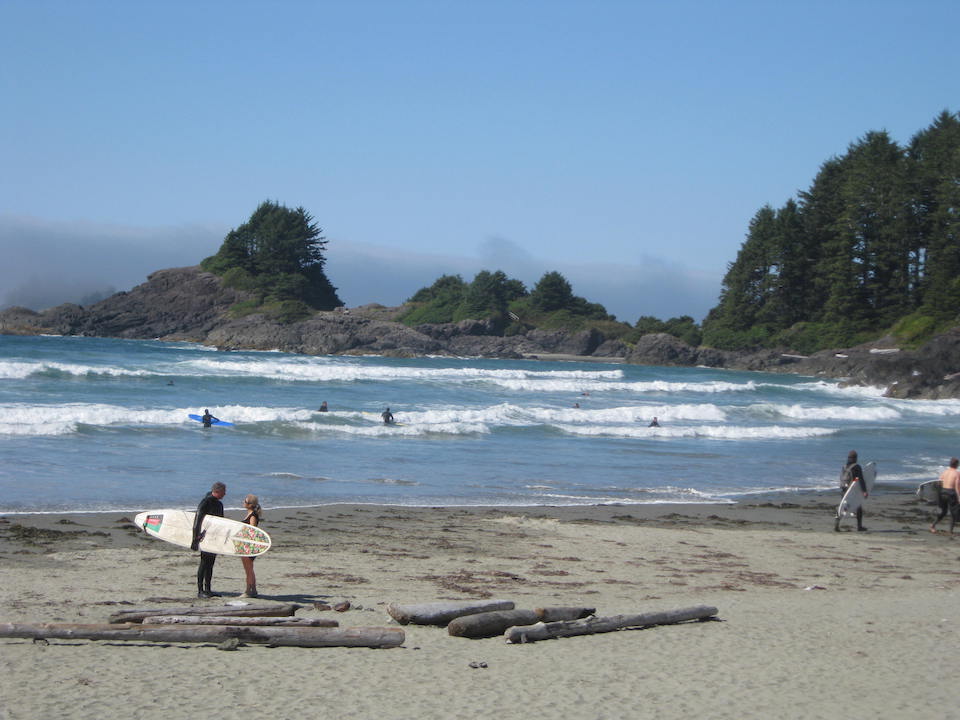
189, 304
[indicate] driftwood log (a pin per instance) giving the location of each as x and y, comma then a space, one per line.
589, 626
553, 614
489, 624
138, 614
227, 620
441, 613
373, 637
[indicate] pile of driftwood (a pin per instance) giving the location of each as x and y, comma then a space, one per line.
485, 619
229, 625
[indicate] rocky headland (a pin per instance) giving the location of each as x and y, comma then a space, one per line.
189, 304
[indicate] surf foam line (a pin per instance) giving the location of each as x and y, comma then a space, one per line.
62, 419
322, 370
706, 431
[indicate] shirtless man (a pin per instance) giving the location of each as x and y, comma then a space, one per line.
949, 491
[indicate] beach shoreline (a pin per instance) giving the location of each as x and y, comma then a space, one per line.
809, 617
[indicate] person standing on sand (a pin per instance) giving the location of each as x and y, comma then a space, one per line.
254, 512
210, 505
851, 473
949, 495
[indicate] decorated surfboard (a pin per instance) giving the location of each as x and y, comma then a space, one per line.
199, 419
222, 536
853, 498
929, 491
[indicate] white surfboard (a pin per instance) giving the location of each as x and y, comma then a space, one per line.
930, 491
222, 536
853, 498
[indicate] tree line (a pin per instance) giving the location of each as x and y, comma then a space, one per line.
873, 245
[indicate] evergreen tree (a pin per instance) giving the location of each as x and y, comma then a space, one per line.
552, 292
933, 160
280, 253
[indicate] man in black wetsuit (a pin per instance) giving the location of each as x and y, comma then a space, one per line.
207, 419
387, 417
210, 505
851, 473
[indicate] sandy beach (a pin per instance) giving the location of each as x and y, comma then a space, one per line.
812, 623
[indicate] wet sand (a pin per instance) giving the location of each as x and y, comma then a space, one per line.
812, 622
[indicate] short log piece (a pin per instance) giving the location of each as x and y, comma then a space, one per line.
441, 613
489, 624
227, 620
262, 610
590, 626
372, 637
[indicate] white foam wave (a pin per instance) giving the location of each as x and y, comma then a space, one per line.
707, 431
326, 370
649, 386
18, 370
401, 430
61, 419
510, 415
828, 412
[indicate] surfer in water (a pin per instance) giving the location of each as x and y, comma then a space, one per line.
207, 419
654, 422
210, 505
323, 407
251, 504
851, 473
387, 417
949, 491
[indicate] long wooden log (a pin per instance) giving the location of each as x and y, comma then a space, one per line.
489, 624
441, 613
553, 614
373, 637
262, 610
589, 626
227, 620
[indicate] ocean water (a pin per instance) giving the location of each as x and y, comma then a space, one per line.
101, 424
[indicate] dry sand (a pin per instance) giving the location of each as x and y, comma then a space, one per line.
813, 623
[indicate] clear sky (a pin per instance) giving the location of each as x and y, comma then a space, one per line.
625, 144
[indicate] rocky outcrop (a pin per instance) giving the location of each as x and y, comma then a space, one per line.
189, 304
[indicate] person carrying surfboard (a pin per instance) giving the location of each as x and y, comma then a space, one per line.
210, 505
207, 419
387, 417
949, 495
851, 473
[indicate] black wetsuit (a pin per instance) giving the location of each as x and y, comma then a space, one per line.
850, 474
208, 506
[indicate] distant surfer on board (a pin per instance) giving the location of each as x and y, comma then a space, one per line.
207, 419
210, 505
851, 473
949, 491
387, 417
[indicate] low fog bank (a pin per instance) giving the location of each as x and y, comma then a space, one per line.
46, 264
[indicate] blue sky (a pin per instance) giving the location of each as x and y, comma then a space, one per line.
625, 144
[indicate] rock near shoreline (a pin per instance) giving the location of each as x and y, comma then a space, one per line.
188, 304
